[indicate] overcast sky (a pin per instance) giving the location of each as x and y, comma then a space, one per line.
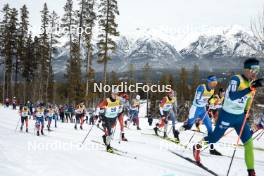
160, 13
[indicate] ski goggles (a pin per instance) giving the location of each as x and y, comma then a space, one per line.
255, 69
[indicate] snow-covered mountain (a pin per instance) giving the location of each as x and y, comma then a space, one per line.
230, 42
168, 49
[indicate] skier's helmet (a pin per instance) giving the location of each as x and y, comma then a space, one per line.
138, 97
115, 91
211, 81
253, 65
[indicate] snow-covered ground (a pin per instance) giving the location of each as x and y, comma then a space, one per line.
58, 153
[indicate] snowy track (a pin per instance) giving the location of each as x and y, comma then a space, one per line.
19, 157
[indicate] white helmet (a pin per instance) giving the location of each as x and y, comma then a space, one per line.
115, 91
138, 97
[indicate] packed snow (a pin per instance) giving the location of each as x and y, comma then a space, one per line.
59, 153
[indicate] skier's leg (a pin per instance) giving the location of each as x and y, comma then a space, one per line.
81, 121
22, 123
208, 123
247, 140
221, 126
137, 120
193, 114
27, 123
121, 122
37, 125
173, 120
42, 125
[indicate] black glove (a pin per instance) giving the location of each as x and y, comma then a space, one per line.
258, 83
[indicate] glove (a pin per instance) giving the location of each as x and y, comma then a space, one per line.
257, 83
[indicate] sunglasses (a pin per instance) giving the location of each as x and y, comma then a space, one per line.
255, 69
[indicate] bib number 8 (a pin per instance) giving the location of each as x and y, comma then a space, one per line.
113, 109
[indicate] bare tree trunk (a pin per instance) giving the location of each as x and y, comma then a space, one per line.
4, 81
105, 71
24, 91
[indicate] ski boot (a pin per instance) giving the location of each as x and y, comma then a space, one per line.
138, 128
176, 136
21, 128
196, 153
123, 137
104, 139
109, 149
81, 127
37, 133
165, 135
213, 151
42, 132
156, 130
251, 172
184, 127
75, 127
26, 130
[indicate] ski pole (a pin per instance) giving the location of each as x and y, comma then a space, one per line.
241, 131
260, 135
195, 131
87, 135
17, 124
257, 134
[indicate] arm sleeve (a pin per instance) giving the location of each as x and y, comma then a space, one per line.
199, 93
162, 103
102, 104
233, 92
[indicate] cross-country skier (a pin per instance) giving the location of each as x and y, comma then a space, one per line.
237, 98
215, 103
14, 103
80, 112
24, 113
198, 110
124, 99
168, 109
39, 114
134, 111
50, 116
7, 102
112, 108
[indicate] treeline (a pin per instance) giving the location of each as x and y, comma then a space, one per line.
27, 60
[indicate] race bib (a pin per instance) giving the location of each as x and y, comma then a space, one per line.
24, 114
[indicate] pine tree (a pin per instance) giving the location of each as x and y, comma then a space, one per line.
146, 77
108, 10
195, 79
75, 93
22, 45
9, 47
28, 67
36, 61
53, 41
183, 88
68, 21
4, 46
44, 64
88, 17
